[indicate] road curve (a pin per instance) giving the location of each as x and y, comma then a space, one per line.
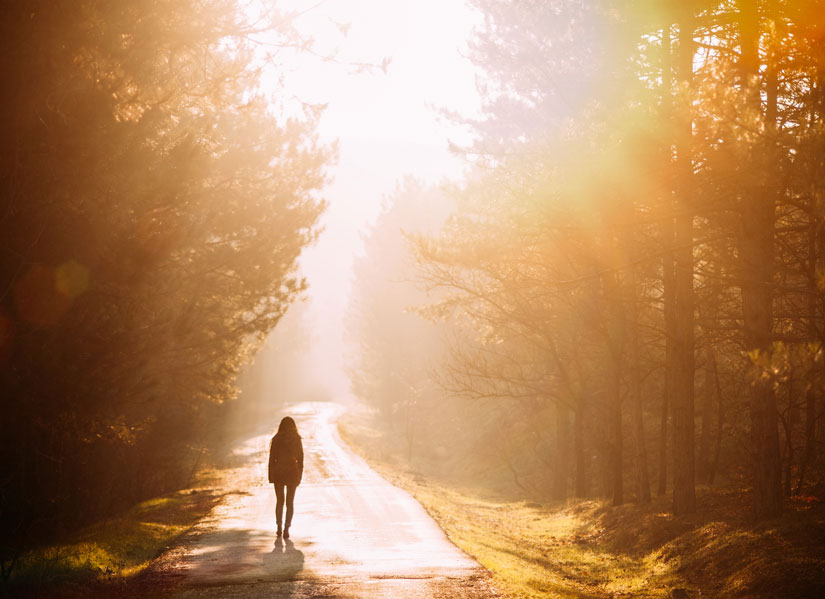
353, 535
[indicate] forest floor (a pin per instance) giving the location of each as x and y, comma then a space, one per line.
586, 549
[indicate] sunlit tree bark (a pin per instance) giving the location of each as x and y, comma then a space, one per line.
684, 494
758, 204
642, 479
668, 307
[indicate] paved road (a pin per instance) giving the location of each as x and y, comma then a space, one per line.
353, 535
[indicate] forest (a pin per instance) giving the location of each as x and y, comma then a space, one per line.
619, 305
626, 295
153, 207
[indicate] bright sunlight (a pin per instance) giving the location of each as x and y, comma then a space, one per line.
476, 299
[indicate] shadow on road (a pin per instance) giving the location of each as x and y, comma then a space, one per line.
285, 562
235, 554
237, 563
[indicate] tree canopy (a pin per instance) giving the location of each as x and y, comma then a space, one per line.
641, 246
154, 204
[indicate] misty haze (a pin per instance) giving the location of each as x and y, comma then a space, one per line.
368, 299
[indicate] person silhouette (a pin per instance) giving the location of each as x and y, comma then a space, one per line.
286, 467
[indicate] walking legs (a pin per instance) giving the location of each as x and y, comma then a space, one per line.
279, 507
290, 504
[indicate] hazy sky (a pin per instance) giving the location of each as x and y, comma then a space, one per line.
387, 125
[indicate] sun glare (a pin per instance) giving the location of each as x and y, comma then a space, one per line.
382, 298
384, 71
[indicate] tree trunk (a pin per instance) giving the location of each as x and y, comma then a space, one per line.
720, 421
581, 458
562, 458
711, 395
409, 427
814, 377
684, 492
791, 424
757, 265
615, 444
706, 412
810, 436
577, 392
661, 487
640, 451
667, 268
614, 344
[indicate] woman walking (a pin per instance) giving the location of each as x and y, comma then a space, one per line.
286, 466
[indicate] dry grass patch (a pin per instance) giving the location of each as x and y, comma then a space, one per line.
586, 549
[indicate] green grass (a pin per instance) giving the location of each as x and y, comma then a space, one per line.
586, 549
116, 549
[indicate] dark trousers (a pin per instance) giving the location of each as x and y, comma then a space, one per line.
279, 505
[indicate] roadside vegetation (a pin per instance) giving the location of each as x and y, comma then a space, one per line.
624, 297
600, 360
109, 555
588, 549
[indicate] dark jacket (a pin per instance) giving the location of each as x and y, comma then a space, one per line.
286, 460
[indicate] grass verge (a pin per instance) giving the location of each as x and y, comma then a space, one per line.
112, 552
585, 549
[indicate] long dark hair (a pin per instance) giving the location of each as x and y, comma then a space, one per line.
287, 428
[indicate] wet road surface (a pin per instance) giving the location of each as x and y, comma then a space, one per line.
353, 534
